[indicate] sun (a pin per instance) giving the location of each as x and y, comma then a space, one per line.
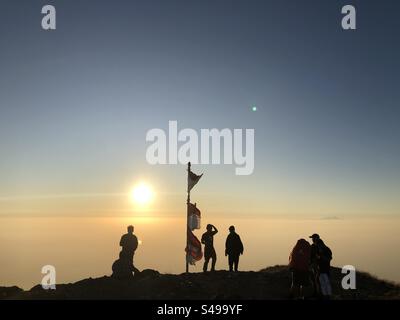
142, 194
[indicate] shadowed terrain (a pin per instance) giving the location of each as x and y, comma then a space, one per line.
271, 283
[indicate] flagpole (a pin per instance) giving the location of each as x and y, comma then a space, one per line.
187, 220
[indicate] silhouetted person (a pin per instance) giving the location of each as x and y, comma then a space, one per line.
233, 249
209, 252
129, 244
122, 268
314, 265
299, 264
321, 256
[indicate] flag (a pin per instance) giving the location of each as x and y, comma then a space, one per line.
194, 216
193, 249
193, 179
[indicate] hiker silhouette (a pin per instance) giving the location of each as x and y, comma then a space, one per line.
129, 244
123, 267
233, 249
321, 256
209, 252
299, 265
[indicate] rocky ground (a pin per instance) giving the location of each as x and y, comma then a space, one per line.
271, 283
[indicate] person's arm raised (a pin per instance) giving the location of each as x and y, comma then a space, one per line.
215, 230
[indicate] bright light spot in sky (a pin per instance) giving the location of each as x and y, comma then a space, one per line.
254, 108
142, 194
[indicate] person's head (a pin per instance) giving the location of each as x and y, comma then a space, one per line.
209, 227
302, 243
130, 229
315, 238
232, 229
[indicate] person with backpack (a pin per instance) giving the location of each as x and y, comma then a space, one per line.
299, 264
233, 249
321, 257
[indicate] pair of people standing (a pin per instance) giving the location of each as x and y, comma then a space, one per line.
233, 248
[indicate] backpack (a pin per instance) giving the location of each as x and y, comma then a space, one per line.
300, 256
325, 253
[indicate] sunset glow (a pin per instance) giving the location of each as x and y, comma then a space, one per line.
142, 194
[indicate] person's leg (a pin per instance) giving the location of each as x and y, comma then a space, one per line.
236, 262
322, 284
325, 285
313, 282
294, 286
205, 266
328, 285
301, 294
214, 261
316, 283
291, 291
303, 282
230, 261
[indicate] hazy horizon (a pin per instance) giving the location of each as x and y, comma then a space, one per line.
81, 248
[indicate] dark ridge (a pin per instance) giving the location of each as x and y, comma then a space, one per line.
271, 283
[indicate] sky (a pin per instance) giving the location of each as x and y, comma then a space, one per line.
76, 104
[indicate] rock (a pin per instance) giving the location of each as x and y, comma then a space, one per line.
9, 292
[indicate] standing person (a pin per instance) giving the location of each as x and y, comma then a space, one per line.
314, 265
209, 252
129, 244
233, 249
299, 264
322, 256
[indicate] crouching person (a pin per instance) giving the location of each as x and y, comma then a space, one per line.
122, 268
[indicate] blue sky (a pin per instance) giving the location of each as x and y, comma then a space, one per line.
76, 102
